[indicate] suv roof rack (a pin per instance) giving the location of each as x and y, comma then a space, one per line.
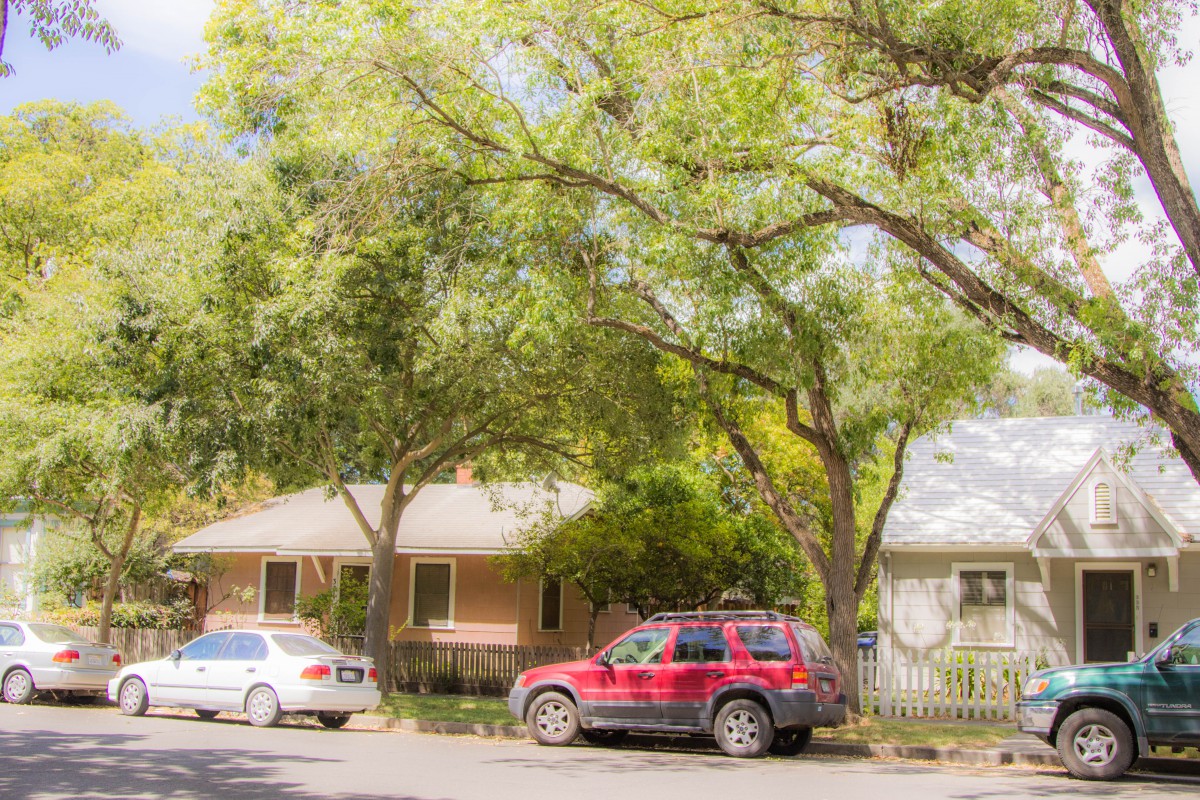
700, 616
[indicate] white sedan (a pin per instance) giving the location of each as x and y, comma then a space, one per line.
38, 657
261, 673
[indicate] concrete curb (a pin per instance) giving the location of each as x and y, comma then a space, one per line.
910, 752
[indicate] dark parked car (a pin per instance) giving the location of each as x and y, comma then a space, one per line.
1101, 717
755, 680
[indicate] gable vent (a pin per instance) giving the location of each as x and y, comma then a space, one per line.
1103, 509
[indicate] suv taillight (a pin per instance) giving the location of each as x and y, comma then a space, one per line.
799, 677
66, 657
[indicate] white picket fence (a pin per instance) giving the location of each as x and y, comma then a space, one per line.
955, 684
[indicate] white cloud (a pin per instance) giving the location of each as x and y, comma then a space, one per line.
165, 29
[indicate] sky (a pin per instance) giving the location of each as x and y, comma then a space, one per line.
150, 78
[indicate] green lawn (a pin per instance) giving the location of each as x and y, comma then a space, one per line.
872, 730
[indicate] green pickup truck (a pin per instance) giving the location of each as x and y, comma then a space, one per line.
1100, 717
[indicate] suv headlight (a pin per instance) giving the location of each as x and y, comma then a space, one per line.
1035, 687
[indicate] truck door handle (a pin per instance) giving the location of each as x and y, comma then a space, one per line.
645, 675
716, 673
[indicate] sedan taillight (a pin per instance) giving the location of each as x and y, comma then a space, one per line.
316, 672
66, 656
117, 659
372, 675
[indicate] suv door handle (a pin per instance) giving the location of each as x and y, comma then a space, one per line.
716, 673
645, 675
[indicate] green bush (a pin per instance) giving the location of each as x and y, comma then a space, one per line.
339, 611
174, 616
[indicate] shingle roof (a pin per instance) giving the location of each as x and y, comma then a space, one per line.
442, 518
1003, 476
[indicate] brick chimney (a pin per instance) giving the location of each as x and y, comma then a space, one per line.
462, 475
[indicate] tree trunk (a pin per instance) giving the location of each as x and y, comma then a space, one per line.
115, 564
593, 614
379, 600
841, 604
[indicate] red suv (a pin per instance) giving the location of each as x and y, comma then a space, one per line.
756, 680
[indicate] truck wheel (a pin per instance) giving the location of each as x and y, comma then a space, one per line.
744, 729
1095, 745
553, 719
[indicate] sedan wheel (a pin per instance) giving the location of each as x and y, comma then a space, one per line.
18, 687
743, 729
133, 699
262, 707
331, 720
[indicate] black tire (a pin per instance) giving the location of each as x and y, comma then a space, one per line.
604, 738
1095, 745
206, 713
18, 687
333, 720
743, 729
790, 742
262, 707
553, 719
133, 700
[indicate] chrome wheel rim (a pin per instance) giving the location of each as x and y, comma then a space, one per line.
16, 685
131, 696
262, 706
553, 719
1095, 745
741, 729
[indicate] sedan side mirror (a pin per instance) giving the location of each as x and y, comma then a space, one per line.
176, 655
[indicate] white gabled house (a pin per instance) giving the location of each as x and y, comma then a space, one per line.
1034, 535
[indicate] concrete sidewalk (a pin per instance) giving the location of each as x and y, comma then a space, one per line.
1020, 749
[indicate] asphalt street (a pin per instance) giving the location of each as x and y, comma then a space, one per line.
73, 752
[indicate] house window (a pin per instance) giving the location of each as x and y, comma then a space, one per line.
1104, 504
550, 606
984, 607
431, 593
279, 588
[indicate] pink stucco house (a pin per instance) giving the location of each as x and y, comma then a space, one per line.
444, 588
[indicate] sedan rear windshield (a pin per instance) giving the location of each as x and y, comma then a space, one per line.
295, 644
54, 634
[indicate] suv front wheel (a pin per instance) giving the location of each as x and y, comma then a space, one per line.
553, 719
1095, 745
744, 729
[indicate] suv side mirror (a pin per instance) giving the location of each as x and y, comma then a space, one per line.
602, 659
176, 655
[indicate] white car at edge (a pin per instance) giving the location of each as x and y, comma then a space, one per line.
264, 674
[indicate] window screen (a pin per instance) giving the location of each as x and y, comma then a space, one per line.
431, 596
279, 595
551, 606
984, 588
983, 611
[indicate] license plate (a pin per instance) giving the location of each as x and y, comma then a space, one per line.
826, 686
350, 675
93, 661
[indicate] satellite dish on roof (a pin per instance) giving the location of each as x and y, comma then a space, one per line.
550, 482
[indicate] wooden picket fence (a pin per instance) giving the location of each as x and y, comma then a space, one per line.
955, 684
463, 668
141, 644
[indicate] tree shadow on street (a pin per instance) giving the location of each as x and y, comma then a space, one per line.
122, 766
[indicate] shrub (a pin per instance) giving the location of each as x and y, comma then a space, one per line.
173, 616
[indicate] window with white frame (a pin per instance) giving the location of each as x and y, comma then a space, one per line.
279, 587
983, 609
1104, 503
550, 606
431, 593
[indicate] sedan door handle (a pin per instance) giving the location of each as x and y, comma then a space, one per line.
201, 669
645, 675
251, 669
716, 673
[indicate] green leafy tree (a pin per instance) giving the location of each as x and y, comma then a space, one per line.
55, 21
661, 539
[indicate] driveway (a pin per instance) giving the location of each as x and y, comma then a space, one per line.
63, 752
